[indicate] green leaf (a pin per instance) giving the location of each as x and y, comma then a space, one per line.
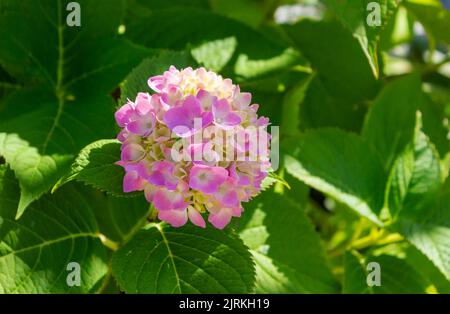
341, 165
250, 12
396, 275
215, 54
341, 65
344, 80
292, 101
355, 14
433, 17
136, 80
34, 172
321, 109
163, 4
7, 84
40, 51
161, 259
399, 30
429, 231
121, 218
96, 166
255, 54
390, 123
355, 275
415, 178
278, 179
432, 117
288, 252
423, 265
55, 231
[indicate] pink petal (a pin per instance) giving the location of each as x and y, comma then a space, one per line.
220, 109
144, 125
195, 217
241, 100
206, 99
220, 219
170, 98
164, 199
207, 119
237, 211
229, 199
132, 152
207, 179
142, 104
231, 119
227, 195
176, 218
132, 182
156, 83
124, 114
161, 174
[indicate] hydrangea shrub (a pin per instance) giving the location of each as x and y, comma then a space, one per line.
139, 151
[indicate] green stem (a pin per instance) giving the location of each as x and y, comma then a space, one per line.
108, 242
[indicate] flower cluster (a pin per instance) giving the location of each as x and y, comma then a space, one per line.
186, 105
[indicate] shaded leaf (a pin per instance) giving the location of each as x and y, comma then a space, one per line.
390, 123
337, 57
187, 26
355, 15
39, 50
341, 165
396, 275
415, 178
288, 253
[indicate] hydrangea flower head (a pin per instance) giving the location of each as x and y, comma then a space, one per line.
196, 147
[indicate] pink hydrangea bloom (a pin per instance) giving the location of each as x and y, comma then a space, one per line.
191, 147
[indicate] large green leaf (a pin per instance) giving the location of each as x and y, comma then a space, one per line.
7, 85
121, 218
344, 82
35, 173
390, 123
321, 109
288, 252
355, 275
422, 264
163, 4
415, 177
291, 105
161, 259
396, 275
215, 54
58, 112
429, 231
341, 165
250, 12
254, 54
354, 15
337, 57
96, 166
56, 230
